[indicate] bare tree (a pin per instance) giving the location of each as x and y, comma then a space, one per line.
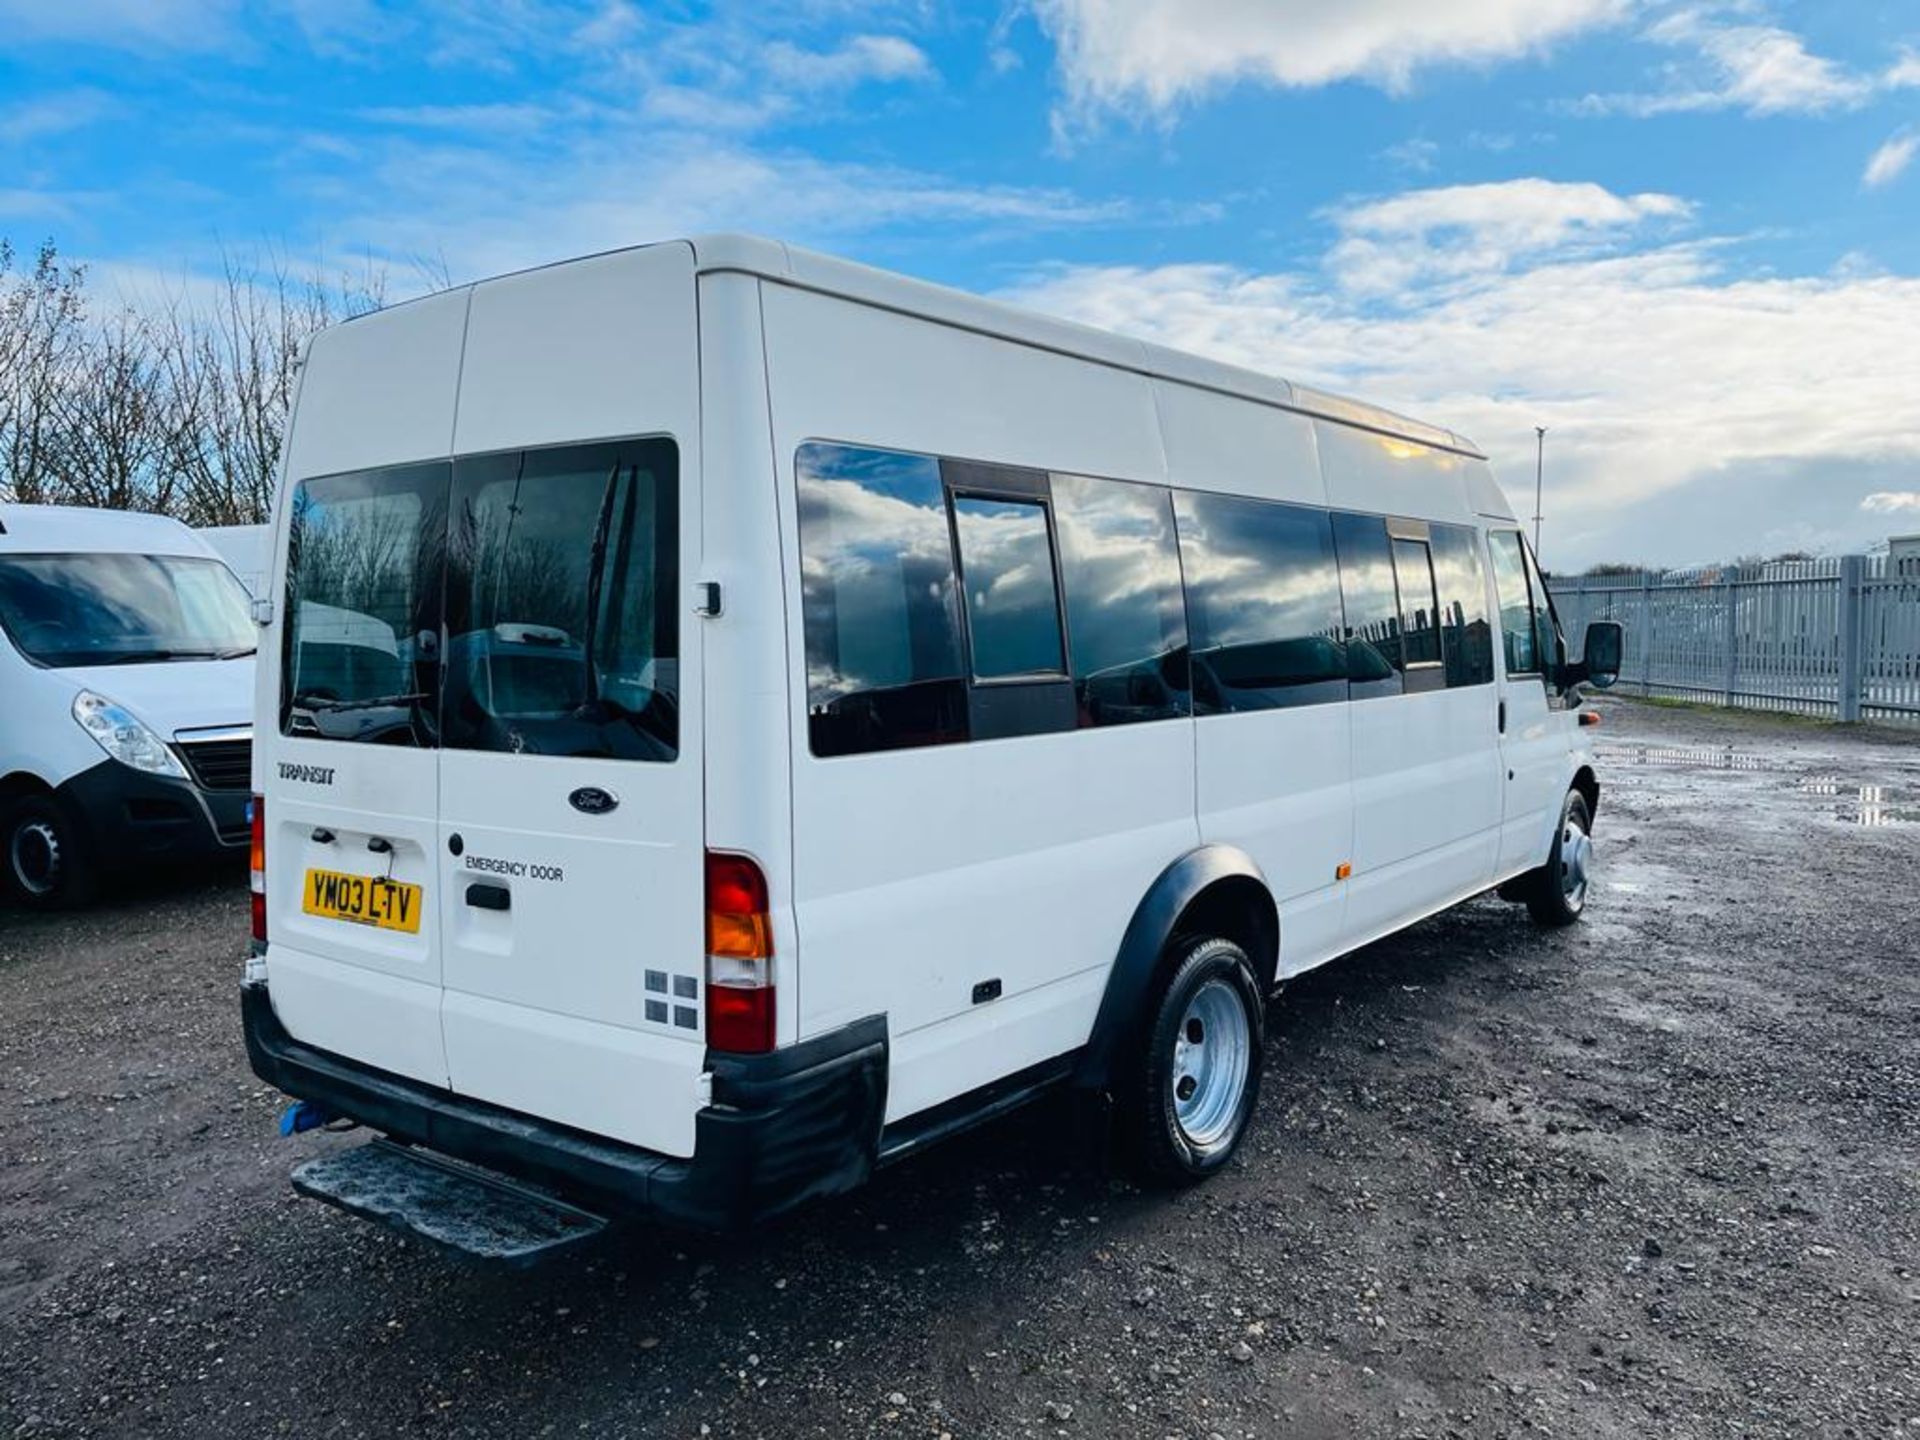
41, 327
179, 406
232, 369
109, 447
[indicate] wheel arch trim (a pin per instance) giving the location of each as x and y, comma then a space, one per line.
1223, 872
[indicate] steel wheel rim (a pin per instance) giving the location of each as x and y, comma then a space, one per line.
1212, 1057
1576, 863
35, 854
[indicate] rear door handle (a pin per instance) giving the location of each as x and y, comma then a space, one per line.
1503, 717
483, 896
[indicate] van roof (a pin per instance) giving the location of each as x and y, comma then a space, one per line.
79, 529
826, 274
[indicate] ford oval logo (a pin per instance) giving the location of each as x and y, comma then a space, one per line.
592, 800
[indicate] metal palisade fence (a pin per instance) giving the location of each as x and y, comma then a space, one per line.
1838, 637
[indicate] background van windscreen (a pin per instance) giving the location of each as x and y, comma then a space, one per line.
122, 609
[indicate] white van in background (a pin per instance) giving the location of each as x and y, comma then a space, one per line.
732, 717
126, 690
245, 548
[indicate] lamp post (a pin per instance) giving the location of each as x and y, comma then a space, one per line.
1539, 476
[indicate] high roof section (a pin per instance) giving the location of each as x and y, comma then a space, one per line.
78, 529
809, 270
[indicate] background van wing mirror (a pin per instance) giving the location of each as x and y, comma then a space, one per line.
1600, 665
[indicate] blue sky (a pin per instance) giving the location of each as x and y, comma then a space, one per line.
1685, 236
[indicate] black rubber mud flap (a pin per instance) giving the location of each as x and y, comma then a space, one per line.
453, 1206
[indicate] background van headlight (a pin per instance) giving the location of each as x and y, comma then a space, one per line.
123, 737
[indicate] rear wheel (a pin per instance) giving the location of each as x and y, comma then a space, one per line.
1196, 1074
45, 854
1556, 893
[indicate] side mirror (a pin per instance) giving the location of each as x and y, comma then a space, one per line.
1606, 642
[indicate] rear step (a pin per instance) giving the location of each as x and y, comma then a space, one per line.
454, 1206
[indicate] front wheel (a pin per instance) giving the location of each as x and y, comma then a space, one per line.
45, 854
1556, 893
1196, 1073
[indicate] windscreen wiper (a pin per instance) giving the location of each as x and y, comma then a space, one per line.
320, 705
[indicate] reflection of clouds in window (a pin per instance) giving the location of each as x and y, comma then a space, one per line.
1121, 573
1257, 571
876, 571
1008, 568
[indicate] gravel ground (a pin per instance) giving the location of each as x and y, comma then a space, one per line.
1656, 1175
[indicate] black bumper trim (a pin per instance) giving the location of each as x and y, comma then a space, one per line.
133, 818
783, 1128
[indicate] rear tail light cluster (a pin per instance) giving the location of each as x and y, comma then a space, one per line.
739, 956
257, 865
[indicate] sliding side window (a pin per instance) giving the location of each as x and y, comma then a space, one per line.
1374, 654
1419, 610
1263, 598
879, 602
364, 560
1126, 620
1010, 588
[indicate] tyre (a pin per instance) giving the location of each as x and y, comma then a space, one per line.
1195, 1073
45, 854
1556, 893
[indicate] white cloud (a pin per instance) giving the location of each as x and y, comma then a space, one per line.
53, 115
188, 25
1122, 55
488, 208
1891, 160
1892, 502
860, 59
1760, 69
1905, 72
1652, 369
1458, 231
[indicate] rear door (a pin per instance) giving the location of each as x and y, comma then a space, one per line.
347, 718
569, 859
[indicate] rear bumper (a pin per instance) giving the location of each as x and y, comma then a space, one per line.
133, 818
782, 1129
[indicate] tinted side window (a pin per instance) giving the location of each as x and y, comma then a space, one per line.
364, 557
1516, 606
1263, 600
1419, 615
879, 604
1126, 619
562, 589
1372, 605
1465, 632
1012, 595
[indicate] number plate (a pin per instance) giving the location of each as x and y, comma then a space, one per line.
363, 899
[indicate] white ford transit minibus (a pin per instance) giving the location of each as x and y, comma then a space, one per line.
731, 717
126, 699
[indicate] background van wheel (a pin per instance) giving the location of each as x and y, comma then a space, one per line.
1195, 1076
45, 854
1556, 893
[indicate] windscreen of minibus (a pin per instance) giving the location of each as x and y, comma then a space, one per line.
106, 608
